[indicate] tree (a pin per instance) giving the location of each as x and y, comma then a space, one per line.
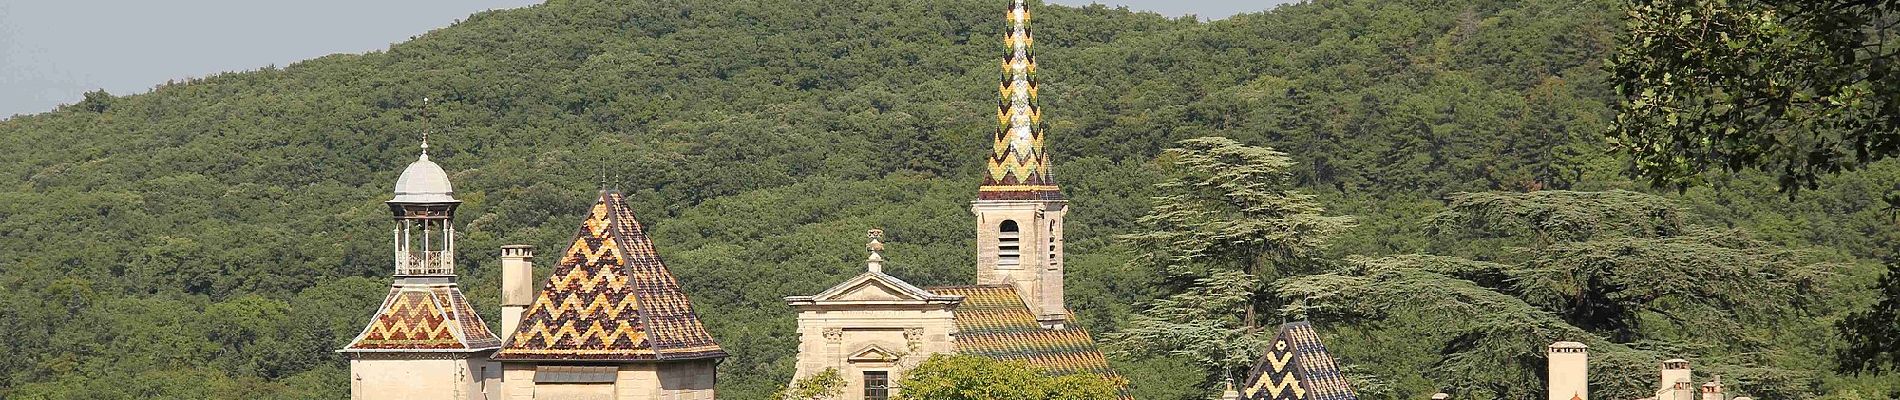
1796, 88
968, 377
1619, 271
1871, 334
825, 385
1228, 220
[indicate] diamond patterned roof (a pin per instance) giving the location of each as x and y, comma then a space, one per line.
1297, 367
610, 299
993, 322
427, 317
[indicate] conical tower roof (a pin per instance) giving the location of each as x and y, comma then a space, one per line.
426, 317
1018, 165
1297, 367
610, 299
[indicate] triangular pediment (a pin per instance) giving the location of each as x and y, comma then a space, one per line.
875, 286
873, 290
874, 353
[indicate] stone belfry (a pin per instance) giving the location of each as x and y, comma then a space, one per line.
1019, 211
425, 342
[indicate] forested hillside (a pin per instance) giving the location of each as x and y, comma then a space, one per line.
219, 238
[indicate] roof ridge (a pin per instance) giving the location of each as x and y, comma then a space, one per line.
629, 232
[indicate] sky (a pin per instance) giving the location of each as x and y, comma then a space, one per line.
53, 51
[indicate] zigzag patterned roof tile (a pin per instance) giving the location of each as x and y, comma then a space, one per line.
1018, 167
1297, 367
424, 317
610, 299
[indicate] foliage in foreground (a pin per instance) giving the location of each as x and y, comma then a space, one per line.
1796, 88
967, 377
824, 385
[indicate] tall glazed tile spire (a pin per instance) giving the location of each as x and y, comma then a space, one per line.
1018, 167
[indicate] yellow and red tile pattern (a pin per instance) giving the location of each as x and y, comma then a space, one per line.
425, 317
1018, 167
610, 299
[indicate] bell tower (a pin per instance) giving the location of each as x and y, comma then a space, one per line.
1019, 210
425, 341
424, 209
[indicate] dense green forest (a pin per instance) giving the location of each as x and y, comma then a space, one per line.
221, 237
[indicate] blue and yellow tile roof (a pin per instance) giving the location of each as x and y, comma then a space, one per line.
610, 299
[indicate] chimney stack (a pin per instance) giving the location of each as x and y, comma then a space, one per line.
517, 290
1713, 389
1569, 371
1682, 390
1673, 370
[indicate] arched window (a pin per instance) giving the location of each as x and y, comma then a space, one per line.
1009, 244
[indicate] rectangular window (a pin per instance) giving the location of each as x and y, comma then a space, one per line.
877, 385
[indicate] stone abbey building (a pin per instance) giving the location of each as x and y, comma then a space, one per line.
874, 327
611, 322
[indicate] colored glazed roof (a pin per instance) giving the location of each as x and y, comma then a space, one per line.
993, 322
1297, 367
424, 317
610, 299
1018, 165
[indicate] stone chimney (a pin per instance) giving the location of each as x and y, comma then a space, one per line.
517, 287
1673, 370
1569, 371
1713, 389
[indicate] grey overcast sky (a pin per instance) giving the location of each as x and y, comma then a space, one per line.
52, 51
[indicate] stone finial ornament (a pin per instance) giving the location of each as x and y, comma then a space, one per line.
875, 262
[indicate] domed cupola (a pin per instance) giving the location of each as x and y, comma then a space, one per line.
424, 208
424, 182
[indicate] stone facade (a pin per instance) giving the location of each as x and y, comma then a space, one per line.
1019, 243
871, 323
441, 376
684, 380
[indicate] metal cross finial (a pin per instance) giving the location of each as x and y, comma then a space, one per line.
425, 127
